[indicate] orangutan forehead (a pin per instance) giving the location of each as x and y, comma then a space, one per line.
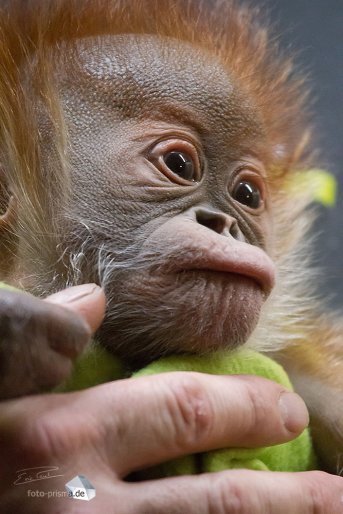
161, 77
154, 65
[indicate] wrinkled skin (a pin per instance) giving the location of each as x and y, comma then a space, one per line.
199, 270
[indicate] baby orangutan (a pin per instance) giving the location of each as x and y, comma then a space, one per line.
148, 147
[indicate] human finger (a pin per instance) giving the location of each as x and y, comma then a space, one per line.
39, 340
87, 300
239, 492
183, 413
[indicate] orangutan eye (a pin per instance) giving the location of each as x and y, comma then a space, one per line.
178, 160
181, 163
247, 193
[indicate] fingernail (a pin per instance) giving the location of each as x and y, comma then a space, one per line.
293, 411
73, 294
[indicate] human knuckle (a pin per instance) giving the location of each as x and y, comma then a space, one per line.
30, 438
226, 496
41, 438
189, 409
256, 409
321, 488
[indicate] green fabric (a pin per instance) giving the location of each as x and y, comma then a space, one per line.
96, 366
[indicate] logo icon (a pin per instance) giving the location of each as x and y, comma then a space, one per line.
80, 488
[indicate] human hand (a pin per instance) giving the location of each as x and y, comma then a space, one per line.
40, 339
111, 430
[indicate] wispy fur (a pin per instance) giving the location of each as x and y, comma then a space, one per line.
32, 32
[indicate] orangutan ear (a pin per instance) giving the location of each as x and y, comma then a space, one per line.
8, 221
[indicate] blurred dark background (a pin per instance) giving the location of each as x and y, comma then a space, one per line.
313, 29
